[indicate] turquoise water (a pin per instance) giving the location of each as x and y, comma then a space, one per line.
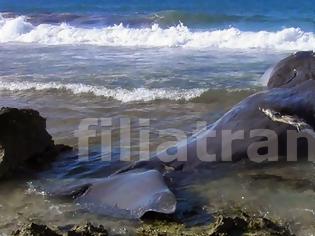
243, 14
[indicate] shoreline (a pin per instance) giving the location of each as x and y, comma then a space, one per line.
157, 118
235, 222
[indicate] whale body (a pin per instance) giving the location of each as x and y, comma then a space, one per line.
288, 103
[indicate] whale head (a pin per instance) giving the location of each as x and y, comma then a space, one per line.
292, 70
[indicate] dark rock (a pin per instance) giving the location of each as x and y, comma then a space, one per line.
229, 225
42, 230
242, 223
24, 140
224, 224
35, 230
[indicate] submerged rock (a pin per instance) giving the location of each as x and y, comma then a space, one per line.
42, 230
35, 230
87, 230
223, 225
24, 140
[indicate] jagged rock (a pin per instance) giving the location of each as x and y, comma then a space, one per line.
42, 230
224, 225
242, 224
35, 230
88, 230
23, 139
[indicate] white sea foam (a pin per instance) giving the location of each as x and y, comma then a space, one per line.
20, 30
120, 94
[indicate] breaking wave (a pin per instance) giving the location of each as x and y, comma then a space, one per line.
20, 30
120, 94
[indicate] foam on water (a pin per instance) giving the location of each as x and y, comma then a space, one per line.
120, 94
20, 30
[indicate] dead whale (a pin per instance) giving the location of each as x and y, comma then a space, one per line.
287, 104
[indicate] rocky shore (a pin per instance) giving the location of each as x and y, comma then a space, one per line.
25, 144
223, 224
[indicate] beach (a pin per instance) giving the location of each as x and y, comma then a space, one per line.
172, 63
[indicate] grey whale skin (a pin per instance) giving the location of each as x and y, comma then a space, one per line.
141, 187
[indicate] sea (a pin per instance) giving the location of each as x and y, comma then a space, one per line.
172, 62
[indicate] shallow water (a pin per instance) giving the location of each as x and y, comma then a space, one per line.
174, 63
283, 192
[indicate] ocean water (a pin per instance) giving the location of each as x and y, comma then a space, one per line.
173, 62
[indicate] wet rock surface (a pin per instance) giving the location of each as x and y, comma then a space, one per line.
223, 224
43, 230
24, 140
87, 230
35, 230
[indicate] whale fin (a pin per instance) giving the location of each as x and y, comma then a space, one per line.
129, 195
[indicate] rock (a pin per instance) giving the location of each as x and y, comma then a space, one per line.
88, 230
244, 224
42, 230
223, 225
35, 230
23, 140
228, 225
